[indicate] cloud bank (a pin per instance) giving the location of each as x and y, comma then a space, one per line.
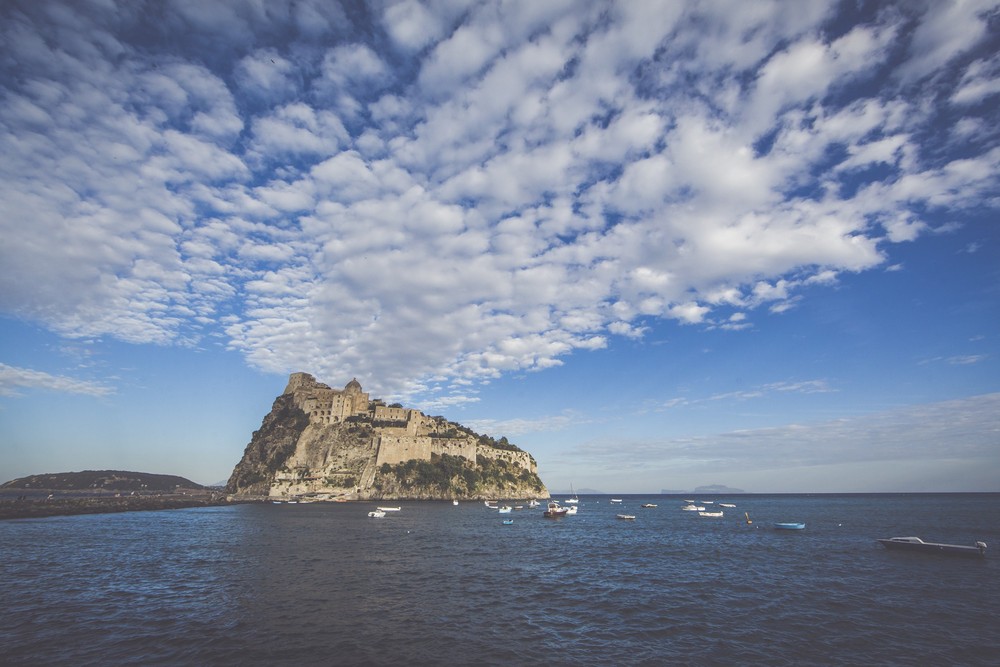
426, 195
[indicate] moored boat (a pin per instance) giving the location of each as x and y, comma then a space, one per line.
389, 509
377, 514
712, 514
505, 509
554, 511
789, 525
648, 505
917, 544
627, 517
693, 508
726, 505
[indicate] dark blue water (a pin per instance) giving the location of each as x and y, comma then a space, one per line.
323, 584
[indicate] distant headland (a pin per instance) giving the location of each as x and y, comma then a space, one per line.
100, 491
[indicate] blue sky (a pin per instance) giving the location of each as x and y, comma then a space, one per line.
656, 244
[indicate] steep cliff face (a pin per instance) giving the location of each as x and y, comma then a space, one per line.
324, 444
269, 448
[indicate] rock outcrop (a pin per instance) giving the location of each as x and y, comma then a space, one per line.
328, 444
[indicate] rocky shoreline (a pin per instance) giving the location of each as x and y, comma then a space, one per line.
37, 506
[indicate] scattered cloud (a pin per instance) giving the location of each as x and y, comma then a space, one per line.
13, 379
417, 194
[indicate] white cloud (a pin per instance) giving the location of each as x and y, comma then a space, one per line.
500, 186
13, 379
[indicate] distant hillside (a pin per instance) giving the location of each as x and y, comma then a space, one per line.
712, 488
717, 488
104, 480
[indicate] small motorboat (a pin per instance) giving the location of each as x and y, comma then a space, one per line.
454, 502
711, 514
505, 509
917, 544
571, 509
376, 514
649, 505
627, 517
791, 525
693, 508
726, 505
616, 500
508, 522
389, 509
554, 511
533, 503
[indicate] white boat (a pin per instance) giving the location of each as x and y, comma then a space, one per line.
627, 517
533, 503
575, 499
917, 544
726, 505
693, 508
389, 509
554, 510
572, 509
505, 509
454, 502
648, 505
377, 514
709, 513
616, 500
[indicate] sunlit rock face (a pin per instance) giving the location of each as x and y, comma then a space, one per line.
339, 444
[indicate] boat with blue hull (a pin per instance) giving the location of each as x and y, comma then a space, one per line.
791, 525
918, 545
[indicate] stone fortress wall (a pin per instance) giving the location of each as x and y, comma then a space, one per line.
401, 434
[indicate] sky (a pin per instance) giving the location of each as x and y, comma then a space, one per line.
658, 245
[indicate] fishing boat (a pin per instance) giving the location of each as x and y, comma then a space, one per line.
917, 544
711, 514
627, 517
377, 514
554, 511
791, 525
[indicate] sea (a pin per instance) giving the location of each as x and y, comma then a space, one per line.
439, 584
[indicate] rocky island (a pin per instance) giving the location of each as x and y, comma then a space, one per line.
321, 443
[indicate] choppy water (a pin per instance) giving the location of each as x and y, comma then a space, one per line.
323, 584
